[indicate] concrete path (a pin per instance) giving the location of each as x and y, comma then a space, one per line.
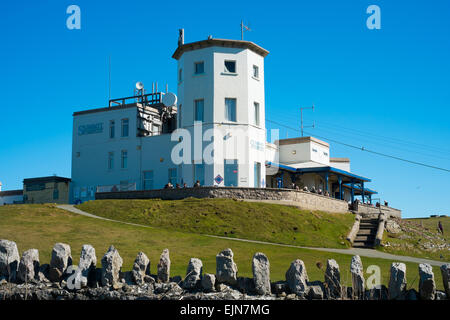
369, 253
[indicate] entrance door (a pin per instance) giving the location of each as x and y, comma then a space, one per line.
231, 173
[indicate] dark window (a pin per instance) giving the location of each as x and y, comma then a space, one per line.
199, 67
230, 66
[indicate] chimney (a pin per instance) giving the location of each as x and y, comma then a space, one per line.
180, 37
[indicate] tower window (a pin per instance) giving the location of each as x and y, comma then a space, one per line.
256, 72
180, 75
256, 106
199, 67
230, 109
198, 109
230, 66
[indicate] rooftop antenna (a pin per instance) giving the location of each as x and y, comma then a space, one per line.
180, 37
242, 29
109, 77
301, 118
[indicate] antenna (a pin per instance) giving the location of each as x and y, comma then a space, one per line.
109, 77
301, 118
242, 29
180, 37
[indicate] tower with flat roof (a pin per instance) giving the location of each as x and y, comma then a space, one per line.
221, 89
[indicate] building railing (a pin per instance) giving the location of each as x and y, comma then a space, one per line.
149, 98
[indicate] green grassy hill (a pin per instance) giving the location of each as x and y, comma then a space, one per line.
231, 218
420, 237
41, 226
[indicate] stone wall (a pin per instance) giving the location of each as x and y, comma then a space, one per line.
365, 209
302, 199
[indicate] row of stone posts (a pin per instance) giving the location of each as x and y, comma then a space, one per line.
27, 268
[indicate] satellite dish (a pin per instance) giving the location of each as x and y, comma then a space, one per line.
169, 99
139, 85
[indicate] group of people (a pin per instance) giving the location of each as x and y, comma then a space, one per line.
169, 185
313, 190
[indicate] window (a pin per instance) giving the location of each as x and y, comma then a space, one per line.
55, 194
179, 116
148, 180
256, 72
198, 110
124, 159
257, 174
199, 173
173, 175
125, 126
230, 66
180, 75
314, 150
325, 154
230, 109
111, 129
110, 160
199, 67
256, 106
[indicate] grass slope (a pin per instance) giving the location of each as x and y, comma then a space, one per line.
231, 218
41, 226
420, 238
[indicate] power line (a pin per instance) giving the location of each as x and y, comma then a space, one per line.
367, 150
389, 144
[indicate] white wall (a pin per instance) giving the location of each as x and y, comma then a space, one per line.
341, 165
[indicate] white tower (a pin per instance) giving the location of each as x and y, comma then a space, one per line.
221, 87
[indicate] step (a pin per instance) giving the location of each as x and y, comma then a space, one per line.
363, 232
365, 227
370, 220
363, 244
364, 238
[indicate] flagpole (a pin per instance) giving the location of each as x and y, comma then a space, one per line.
242, 30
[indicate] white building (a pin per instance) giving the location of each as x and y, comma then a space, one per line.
10, 196
214, 134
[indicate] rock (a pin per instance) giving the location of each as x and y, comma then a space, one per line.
445, 271
392, 226
440, 295
43, 273
397, 281
333, 279
149, 279
141, 267
297, 278
411, 294
280, 287
379, 292
87, 266
111, 267
245, 285
226, 269
261, 273
61, 259
164, 266
209, 282
315, 290
176, 279
193, 274
9, 260
356, 270
29, 265
427, 287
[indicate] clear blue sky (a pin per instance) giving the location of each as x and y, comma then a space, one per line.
371, 88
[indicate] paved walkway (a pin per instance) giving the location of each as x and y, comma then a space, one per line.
370, 253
